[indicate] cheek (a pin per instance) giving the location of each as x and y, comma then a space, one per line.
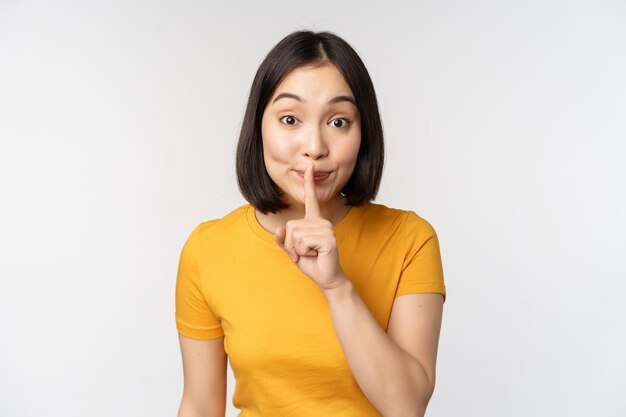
277, 148
349, 150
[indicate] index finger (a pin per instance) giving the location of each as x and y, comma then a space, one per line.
311, 205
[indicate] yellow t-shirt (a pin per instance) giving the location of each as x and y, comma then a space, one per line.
235, 281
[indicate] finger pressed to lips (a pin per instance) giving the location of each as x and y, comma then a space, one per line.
294, 240
311, 205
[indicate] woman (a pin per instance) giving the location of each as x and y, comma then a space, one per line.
325, 303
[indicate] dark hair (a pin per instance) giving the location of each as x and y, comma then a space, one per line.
303, 48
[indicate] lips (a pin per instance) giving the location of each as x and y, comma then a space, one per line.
317, 175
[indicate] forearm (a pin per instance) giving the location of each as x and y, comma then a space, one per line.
392, 380
186, 409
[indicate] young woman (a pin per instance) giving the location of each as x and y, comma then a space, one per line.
325, 303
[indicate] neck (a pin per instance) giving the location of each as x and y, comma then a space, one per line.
333, 210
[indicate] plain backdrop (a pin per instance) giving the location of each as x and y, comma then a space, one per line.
504, 126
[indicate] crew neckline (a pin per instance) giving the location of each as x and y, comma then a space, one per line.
341, 229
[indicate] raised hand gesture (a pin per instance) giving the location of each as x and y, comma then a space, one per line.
311, 242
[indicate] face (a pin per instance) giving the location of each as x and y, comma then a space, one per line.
311, 117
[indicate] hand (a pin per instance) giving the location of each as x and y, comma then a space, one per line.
311, 242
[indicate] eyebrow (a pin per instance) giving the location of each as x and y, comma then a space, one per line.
337, 99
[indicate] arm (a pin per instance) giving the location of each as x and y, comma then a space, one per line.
204, 369
395, 370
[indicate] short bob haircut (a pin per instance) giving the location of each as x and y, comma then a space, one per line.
307, 48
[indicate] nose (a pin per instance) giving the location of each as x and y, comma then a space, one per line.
313, 145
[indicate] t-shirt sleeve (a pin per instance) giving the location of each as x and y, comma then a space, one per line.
194, 317
422, 270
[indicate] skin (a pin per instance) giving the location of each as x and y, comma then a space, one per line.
305, 135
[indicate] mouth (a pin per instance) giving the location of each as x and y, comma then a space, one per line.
318, 176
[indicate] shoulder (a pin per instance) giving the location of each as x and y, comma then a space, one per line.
205, 233
414, 224
408, 220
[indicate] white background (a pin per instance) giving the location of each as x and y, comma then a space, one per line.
505, 128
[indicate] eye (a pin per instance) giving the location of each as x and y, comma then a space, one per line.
288, 120
340, 122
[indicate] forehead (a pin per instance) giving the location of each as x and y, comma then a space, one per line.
314, 81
